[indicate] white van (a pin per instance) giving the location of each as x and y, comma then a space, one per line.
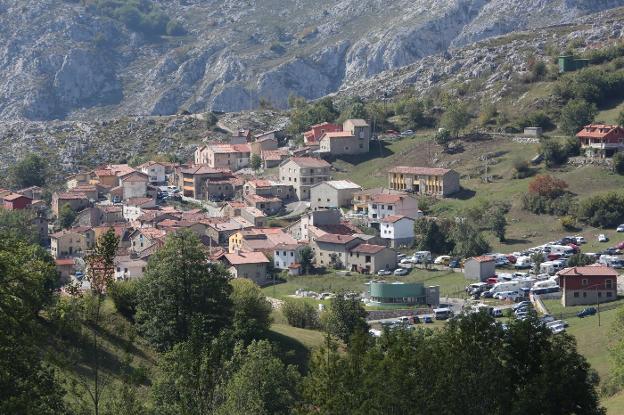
506, 286
442, 313
523, 262
551, 267
561, 250
421, 256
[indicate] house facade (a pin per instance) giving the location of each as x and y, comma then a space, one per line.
71, 243
397, 230
156, 172
304, 172
424, 180
588, 285
369, 259
224, 156
479, 268
332, 194
383, 205
600, 140
251, 265
313, 136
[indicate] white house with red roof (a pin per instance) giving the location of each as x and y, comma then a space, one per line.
398, 230
384, 204
601, 140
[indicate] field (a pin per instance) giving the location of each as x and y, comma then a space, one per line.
524, 229
451, 283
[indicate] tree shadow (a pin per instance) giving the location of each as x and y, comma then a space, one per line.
514, 241
378, 149
294, 352
463, 194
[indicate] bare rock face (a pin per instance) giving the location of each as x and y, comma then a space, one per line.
60, 59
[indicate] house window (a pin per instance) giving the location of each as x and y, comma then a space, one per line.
368, 258
390, 207
584, 281
576, 295
374, 206
599, 294
584, 294
609, 284
609, 294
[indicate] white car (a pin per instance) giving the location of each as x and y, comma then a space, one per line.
620, 228
384, 272
602, 238
401, 271
581, 240
442, 260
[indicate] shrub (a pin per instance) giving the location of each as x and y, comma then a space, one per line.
568, 223
175, 28
535, 119
554, 153
547, 186
559, 206
575, 114
521, 169
618, 163
602, 210
124, 296
300, 314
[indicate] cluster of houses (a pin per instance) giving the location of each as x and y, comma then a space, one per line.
343, 225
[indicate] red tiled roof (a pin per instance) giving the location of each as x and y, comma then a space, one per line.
425, 171
591, 270
247, 258
599, 130
71, 196
309, 162
386, 198
338, 134
394, 218
14, 196
368, 249
333, 238
138, 201
483, 258
65, 261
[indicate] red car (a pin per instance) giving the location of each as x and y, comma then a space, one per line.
512, 259
552, 257
620, 245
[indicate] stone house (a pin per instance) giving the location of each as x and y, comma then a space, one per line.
332, 194
304, 172
424, 180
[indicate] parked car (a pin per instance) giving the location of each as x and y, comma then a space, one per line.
455, 263
589, 311
603, 238
384, 272
442, 260
401, 271
620, 228
522, 304
407, 133
556, 329
580, 240
497, 312
428, 319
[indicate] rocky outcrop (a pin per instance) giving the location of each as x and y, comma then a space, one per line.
62, 59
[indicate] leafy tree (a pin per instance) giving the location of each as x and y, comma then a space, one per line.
305, 115
442, 138
17, 225
355, 109
521, 168
604, 210
182, 294
30, 171
67, 216
499, 224
576, 114
579, 260
620, 118
414, 368
175, 28
547, 186
554, 153
455, 118
618, 163
468, 241
535, 119
346, 317
432, 235
125, 297
27, 278
191, 376
252, 311
537, 258
260, 384
300, 314
100, 273
255, 162
307, 256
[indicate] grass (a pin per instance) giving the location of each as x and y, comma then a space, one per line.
451, 283
610, 115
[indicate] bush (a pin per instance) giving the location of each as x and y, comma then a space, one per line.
618, 163
124, 296
568, 223
602, 210
554, 153
576, 114
539, 205
535, 119
547, 186
175, 28
521, 169
300, 314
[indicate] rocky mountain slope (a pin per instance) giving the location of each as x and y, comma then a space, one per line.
64, 59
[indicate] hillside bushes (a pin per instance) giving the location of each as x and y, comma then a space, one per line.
140, 16
602, 210
548, 195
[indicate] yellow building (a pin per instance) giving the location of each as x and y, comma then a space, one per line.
424, 180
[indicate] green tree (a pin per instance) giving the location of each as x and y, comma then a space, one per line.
576, 114
433, 235
175, 28
307, 256
100, 273
260, 384
17, 225
252, 311
346, 317
300, 314
67, 216
182, 294
537, 258
30, 171
579, 260
125, 297
553, 152
468, 240
618, 163
499, 224
255, 162
27, 278
455, 118
620, 118
443, 138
